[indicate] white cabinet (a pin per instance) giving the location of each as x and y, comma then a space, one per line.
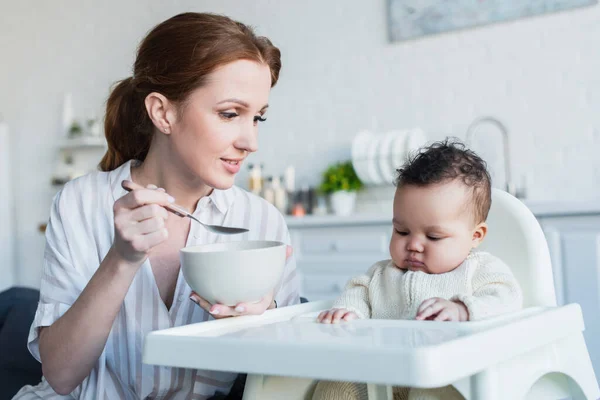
574, 243
331, 250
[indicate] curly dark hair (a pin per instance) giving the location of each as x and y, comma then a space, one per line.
445, 161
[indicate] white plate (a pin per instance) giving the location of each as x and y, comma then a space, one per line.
359, 144
386, 171
398, 154
360, 162
415, 140
372, 166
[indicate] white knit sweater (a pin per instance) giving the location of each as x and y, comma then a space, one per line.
482, 282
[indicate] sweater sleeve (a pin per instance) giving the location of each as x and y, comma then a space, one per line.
356, 294
495, 290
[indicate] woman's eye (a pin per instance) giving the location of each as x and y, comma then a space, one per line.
228, 115
259, 118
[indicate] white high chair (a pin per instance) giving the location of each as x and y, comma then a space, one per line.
537, 353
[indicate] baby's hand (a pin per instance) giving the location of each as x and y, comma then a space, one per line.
335, 315
438, 309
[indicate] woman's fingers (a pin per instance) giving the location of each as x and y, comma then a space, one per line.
139, 221
243, 308
149, 211
288, 252
148, 226
206, 305
223, 311
254, 308
143, 243
156, 237
142, 220
141, 197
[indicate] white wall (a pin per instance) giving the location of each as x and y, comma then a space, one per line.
7, 242
340, 74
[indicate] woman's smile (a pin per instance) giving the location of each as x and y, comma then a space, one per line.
232, 165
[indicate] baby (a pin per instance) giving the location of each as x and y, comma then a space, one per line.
442, 200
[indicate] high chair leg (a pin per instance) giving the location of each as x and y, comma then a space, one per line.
264, 387
253, 387
379, 392
556, 370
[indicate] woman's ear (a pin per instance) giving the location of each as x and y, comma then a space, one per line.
161, 111
479, 234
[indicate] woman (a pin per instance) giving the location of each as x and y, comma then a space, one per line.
181, 126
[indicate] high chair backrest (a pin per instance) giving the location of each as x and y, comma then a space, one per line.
515, 236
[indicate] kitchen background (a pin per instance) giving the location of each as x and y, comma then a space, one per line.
341, 74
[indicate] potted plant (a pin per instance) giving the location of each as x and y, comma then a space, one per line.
341, 183
75, 130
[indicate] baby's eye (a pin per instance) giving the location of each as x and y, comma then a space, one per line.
434, 238
401, 233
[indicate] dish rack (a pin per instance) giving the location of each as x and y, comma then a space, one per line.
376, 156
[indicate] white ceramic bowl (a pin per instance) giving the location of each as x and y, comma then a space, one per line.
233, 272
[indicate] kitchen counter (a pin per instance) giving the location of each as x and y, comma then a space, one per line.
539, 209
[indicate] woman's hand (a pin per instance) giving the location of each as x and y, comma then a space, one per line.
223, 311
438, 309
140, 223
336, 315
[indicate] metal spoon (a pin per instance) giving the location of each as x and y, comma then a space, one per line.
182, 212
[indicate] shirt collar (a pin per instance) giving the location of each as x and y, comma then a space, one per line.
117, 176
222, 199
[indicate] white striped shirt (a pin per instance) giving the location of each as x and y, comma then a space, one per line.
79, 235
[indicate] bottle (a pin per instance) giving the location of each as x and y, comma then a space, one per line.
290, 187
290, 179
67, 114
280, 195
298, 209
268, 193
261, 178
250, 177
255, 184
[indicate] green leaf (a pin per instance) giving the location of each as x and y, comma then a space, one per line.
340, 176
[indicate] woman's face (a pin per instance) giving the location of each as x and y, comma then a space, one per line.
218, 125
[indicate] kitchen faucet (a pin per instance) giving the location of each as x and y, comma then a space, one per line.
510, 186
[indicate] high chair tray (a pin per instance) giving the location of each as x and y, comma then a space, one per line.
289, 342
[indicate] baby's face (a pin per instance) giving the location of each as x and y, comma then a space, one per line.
434, 228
